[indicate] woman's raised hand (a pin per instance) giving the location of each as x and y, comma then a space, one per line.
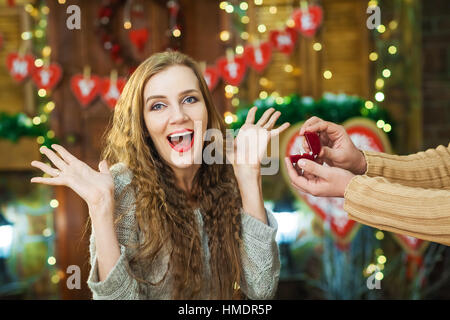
251, 142
96, 188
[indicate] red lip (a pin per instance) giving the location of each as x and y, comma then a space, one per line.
181, 147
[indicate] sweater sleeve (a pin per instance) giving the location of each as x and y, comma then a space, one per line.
425, 169
260, 257
417, 212
119, 284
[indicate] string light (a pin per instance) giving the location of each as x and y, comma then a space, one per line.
327, 74
235, 102
42, 93
379, 234
373, 56
317, 46
229, 8
54, 203
392, 49
239, 49
38, 63
40, 140
290, 23
288, 68
387, 127
258, 2
223, 5
386, 73
368, 104
225, 35
262, 28
245, 19
243, 6
244, 35
51, 260
263, 95
380, 123
273, 9
393, 25
379, 96
127, 25
381, 28
379, 84
176, 32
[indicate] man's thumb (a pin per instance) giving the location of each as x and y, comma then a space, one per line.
313, 167
103, 166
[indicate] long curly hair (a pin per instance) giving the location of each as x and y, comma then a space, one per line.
164, 212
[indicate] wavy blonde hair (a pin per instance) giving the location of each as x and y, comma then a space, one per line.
164, 212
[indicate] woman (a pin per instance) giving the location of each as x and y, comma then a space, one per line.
409, 194
166, 225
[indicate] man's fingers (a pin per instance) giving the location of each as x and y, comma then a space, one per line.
251, 115
300, 181
313, 168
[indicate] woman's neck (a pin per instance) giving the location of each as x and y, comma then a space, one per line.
185, 177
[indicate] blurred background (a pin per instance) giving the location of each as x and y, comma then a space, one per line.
380, 68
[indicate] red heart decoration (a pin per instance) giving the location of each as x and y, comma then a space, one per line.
211, 75
111, 91
47, 77
284, 40
330, 209
138, 37
257, 57
20, 67
308, 21
85, 89
232, 71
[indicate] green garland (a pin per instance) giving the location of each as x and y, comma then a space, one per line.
15, 126
331, 107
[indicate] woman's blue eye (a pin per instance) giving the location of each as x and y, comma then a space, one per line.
190, 99
157, 106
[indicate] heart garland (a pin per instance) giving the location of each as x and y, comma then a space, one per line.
111, 90
307, 20
365, 135
211, 75
258, 56
85, 88
47, 77
232, 69
20, 67
284, 40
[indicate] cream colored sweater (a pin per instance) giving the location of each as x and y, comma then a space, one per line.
409, 195
260, 257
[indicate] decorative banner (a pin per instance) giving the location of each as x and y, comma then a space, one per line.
258, 56
232, 69
20, 67
111, 90
366, 136
47, 77
307, 20
139, 38
413, 246
85, 89
211, 75
285, 40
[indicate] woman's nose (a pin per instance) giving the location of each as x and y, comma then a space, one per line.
178, 115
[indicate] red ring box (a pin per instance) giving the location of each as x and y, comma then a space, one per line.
315, 146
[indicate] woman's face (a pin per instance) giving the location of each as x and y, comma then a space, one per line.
175, 115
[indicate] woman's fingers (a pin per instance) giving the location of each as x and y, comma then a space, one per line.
273, 119
46, 168
50, 181
266, 115
280, 129
251, 115
66, 155
57, 161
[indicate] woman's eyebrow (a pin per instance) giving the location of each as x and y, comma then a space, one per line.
164, 97
187, 91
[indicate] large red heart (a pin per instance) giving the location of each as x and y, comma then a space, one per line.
284, 40
233, 70
211, 75
307, 21
111, 91
85, 89
20, 67
47, 77
138, 37
365, 136
258, 56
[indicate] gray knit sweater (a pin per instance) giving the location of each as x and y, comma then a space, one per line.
260, 258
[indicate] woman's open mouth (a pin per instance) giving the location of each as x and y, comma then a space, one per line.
181, 141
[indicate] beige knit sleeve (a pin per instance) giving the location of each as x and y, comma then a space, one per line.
417, 212
119, 284
425, 169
